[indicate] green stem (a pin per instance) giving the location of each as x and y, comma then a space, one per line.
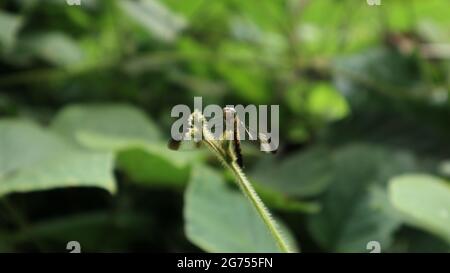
245, 186
262, 210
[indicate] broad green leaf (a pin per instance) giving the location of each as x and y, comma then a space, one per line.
220, 219
301, 175
353, 211
282, 201
156, 166
23, 144
9, 26
118, 125
126, 131
380, 70
35, 159
155, 18
53, 47
424, 200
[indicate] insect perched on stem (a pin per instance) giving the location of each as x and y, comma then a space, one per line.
228, 150
228, 143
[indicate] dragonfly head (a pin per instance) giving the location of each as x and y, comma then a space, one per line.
229, 109
229, 115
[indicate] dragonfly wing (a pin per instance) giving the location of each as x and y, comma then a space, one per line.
263, 139
266, 146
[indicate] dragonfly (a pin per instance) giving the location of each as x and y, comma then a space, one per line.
233, 135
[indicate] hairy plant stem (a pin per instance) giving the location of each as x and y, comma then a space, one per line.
262, 210
247, 189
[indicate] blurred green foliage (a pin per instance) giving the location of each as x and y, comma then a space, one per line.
85, 99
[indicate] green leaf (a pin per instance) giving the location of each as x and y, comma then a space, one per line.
35, 159
155, 17
53, 47
281, 201
118, 126
156, 167
301, 175
9, 26
126, 131
424, 200
353, 207
220, 219
379, 69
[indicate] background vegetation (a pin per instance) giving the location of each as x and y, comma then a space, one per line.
85, 99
